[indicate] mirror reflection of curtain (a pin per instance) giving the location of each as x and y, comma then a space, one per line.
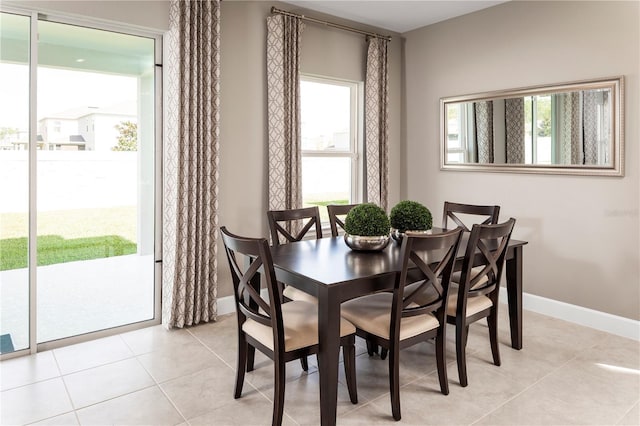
568, 128
595, 125
483, 112
514, 120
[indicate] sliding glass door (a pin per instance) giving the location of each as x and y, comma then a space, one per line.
88, 145
14, 182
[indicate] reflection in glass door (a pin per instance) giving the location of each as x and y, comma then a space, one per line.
93, 178
14, 182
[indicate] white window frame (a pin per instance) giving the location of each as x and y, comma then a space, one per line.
355, 136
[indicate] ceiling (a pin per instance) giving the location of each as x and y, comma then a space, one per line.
397, 16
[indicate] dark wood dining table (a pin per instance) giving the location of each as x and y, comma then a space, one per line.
331, 271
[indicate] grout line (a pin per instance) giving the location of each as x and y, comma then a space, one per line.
551, 372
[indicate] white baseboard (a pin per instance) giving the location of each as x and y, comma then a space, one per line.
226, 305
602, 321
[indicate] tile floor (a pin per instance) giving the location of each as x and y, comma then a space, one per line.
566, 374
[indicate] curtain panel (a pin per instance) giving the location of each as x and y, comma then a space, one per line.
190, 196
483, 111
376, 123
568, 128
514, 119
283, 110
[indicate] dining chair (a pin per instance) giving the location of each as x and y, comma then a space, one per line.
282, 331
396, 320
336, 210
282, 223
476, 295
455, 212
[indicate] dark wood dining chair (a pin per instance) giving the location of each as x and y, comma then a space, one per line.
476, 295
397, 320
293, 224
282, 331
336, 213
454, 211
282, 224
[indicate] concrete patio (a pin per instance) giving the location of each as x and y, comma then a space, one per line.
78, 297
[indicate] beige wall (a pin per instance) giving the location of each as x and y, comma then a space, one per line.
583, 232
243, 121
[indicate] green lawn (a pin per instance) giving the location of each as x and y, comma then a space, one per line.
69, 235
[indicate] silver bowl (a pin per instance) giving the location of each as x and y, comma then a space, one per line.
397, 235
361, 243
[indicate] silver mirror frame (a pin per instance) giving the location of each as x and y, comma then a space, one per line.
616, 84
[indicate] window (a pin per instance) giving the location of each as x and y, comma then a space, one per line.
538, 114
331, 140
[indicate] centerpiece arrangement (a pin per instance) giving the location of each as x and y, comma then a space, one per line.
367, 228
411, 216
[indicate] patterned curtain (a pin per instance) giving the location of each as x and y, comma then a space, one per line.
283, 109
514, 119
483, 111
376, 123
190, 220
568, 128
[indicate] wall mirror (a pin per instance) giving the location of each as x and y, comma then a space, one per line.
569, 128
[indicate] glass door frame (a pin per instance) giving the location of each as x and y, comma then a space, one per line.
35, 16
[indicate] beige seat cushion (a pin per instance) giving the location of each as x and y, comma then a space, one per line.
300, 320
457, 276
293, 293
474, 304
373, 315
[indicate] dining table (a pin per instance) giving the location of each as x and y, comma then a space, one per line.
332, 272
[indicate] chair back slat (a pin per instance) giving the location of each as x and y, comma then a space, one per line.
424, 274
453, 211
294, 224
246, 275
335, 221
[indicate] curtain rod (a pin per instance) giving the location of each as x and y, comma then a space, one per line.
329, 24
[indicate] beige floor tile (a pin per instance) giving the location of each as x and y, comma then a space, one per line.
27, 369
204, 391
31, 403
370, 414
526, 410
220, 336
156, 338
177, 361
421, 404
146, 407
91, 354
373, 374
262, 376
632, 417
105, 382
68, 419
302, 400
251, 409
571, 395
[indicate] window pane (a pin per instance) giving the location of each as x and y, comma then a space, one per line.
453, 126
326, 116
14, 182
320, 187
95, 180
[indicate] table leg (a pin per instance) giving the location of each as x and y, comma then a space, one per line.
514, 295
329, 348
